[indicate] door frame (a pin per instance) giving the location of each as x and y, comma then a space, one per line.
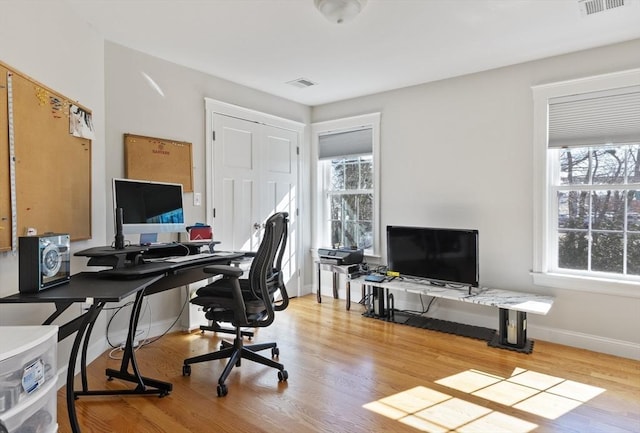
213, 106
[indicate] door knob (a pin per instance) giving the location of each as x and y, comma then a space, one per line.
256, 226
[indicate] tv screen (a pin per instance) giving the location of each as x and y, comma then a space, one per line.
149, 207
436, 254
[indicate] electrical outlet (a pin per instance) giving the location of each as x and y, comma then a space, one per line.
84, 306
197, 199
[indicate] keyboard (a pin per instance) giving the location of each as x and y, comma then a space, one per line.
192, 257
189, 258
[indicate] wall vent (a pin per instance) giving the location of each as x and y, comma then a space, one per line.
590, 7
301, 83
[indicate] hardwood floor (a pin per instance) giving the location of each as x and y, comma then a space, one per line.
348, 373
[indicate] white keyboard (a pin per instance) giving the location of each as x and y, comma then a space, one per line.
191, 257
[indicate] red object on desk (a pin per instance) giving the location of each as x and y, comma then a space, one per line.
200, 233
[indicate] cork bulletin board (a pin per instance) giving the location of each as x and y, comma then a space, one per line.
45, 164
158, 159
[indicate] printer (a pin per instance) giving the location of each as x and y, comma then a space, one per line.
341, 256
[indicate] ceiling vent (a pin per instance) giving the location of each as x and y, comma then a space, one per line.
301, 83
590, 7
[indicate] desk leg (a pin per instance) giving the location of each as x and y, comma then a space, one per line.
129, 360
348, 295
318, 294
335, 285
88, 320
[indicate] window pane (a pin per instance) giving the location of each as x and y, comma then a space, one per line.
633, 254
366, 175
633, 210
607, 252
336, 233
365, 239
573, 209
349, 204
365, 207
608, 165
608, 210
335, 207
337, 175
351, 175
633, 164
573, 248
575, 166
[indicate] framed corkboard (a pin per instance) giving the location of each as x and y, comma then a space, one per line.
48, 158
158, 159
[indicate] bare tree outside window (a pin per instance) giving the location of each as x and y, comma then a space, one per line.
598, 198
351, 201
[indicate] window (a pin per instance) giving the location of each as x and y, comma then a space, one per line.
587, 184
347, 185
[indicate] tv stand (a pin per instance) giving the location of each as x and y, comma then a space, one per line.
512, 320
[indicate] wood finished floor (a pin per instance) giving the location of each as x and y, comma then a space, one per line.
348, 373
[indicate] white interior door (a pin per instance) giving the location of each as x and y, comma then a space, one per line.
255, 174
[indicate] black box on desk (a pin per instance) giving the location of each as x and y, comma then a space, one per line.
43, 261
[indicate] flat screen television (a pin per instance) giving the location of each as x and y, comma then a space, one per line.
149, 207
438, 255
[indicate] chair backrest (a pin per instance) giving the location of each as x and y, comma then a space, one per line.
265, 274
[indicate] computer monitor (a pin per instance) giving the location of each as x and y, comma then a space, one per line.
149, 207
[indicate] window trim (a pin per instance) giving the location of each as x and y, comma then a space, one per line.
372, 121
542, 245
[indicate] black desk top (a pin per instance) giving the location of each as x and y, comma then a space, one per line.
85, 285
114, 285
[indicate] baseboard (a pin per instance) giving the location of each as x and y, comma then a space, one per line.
594, 343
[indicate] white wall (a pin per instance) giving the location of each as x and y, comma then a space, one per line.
464, 148
133, 106
44, 41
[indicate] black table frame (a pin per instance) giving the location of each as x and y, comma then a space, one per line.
112, 286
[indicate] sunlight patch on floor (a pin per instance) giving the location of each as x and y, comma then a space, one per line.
432, 411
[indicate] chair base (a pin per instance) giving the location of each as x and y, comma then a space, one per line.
215, 327
235, 353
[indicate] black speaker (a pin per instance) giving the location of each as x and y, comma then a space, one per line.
119, 239
43, 261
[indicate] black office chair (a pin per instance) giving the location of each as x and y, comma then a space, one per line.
248, 302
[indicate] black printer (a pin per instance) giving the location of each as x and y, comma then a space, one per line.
341, 256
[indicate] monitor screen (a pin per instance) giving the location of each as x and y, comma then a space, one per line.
436, 254
149, 207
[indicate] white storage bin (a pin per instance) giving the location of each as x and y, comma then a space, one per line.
28, 376
38, 416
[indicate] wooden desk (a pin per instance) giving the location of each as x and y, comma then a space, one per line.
99, 288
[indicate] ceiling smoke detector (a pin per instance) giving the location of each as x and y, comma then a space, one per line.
590, 7
301, 83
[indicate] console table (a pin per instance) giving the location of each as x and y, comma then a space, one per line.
513, 306
336, 270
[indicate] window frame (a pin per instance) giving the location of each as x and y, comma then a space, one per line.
544, 195
320, 201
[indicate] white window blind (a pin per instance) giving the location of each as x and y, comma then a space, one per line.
597, 118
345, 144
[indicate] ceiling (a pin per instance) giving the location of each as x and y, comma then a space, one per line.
264, 44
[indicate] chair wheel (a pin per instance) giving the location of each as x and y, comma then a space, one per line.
275, 352
186, 370
283, 375
222, 390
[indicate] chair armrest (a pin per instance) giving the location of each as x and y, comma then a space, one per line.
229, 271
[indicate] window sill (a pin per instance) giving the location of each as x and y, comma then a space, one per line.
630, 289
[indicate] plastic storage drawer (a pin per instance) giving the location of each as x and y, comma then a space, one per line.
28, 376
